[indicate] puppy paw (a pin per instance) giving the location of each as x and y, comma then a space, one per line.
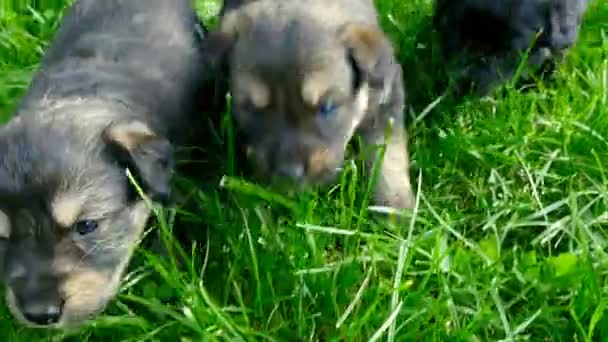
393, 188
396, 194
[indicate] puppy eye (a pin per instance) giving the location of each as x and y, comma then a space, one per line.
327, 108
86, 227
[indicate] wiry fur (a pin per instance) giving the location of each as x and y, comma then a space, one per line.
115, 90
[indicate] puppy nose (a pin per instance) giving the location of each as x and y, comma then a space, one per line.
45, 315
294, 171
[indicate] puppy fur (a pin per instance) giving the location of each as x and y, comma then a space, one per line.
114, 92
305, 77
489, 36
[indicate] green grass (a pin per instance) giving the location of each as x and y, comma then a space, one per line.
509, 241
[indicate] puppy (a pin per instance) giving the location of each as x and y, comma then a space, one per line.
305, 77
489, 36
114, 92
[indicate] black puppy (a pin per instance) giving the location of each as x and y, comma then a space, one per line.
116, 90
490, 35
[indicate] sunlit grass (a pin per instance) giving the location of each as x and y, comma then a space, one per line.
508, 242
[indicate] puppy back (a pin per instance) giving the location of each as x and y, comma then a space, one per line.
143, 53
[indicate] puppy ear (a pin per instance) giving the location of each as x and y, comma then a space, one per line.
370, 52
148, 156
218, 45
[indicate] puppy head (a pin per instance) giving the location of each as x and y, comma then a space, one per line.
300, 89
557, 23
69, 217
489, 36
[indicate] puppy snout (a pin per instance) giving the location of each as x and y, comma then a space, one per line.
314, 165
35, 293
42, 312
45, 315
291, 163
295, 161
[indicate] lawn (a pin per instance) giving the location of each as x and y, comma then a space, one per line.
509, 240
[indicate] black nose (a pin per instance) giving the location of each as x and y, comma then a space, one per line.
50, 315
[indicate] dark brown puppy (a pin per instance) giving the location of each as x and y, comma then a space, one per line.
305, 77
488, 37
115, 91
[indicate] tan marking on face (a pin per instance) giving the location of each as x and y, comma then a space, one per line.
66, 208
366, 43
131, 134
319, 160
86, 288
85, 283
313, 88
87, 291
65, 262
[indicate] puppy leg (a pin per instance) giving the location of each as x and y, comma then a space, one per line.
393, 187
